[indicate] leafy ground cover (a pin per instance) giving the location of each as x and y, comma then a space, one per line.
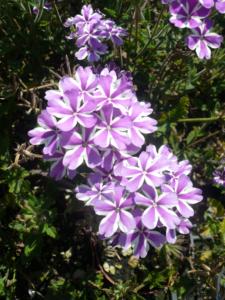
49, 247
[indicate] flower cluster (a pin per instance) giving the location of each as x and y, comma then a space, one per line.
92, 118
193, 14
144, 200
91, 30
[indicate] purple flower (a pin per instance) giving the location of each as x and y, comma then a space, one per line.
69, 107
115, 210
202, 40
91, 36
92, 31
220, 6
111, 128
114, 91
207, 3
140, 123
57, 169
86, 82
219, 174
47, 6
186, 195
110, 157
147, 170
92, 54
159, 208
113, 32
140, 238
114, 156
80, 148
187, 13
177, 169
47, 133
96, 190
96, 119
183, 227
87, 17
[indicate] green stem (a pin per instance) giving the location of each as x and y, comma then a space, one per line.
199, 120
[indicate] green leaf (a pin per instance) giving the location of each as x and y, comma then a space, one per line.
50, 230
30, 248
195, 133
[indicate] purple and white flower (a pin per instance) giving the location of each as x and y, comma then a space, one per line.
141, 123
159, 208
80, 148
92, 33
140, 239
115, 210
219, 174
202, 40
186, 195
57, 169
146, 170
111, 128
46, 133
96, 191
187, 13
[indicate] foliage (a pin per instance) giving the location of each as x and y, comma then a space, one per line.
49, 249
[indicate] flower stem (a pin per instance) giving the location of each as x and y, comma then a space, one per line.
199, 120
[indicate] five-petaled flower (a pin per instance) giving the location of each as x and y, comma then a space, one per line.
115, 210
159, 208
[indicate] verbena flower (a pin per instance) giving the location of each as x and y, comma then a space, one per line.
94, 118
115, 210
146, 170
111, 128
70, 107
47, 133
87, 17
57, 169
140, 122
187, 13
92, 33
46, 6
219, 174
183, 227
99, 102
114, 91
158, 207
140, 239
193, 14
202, 40
207, 3
80, 148
219, 5
186, 195
96, 190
